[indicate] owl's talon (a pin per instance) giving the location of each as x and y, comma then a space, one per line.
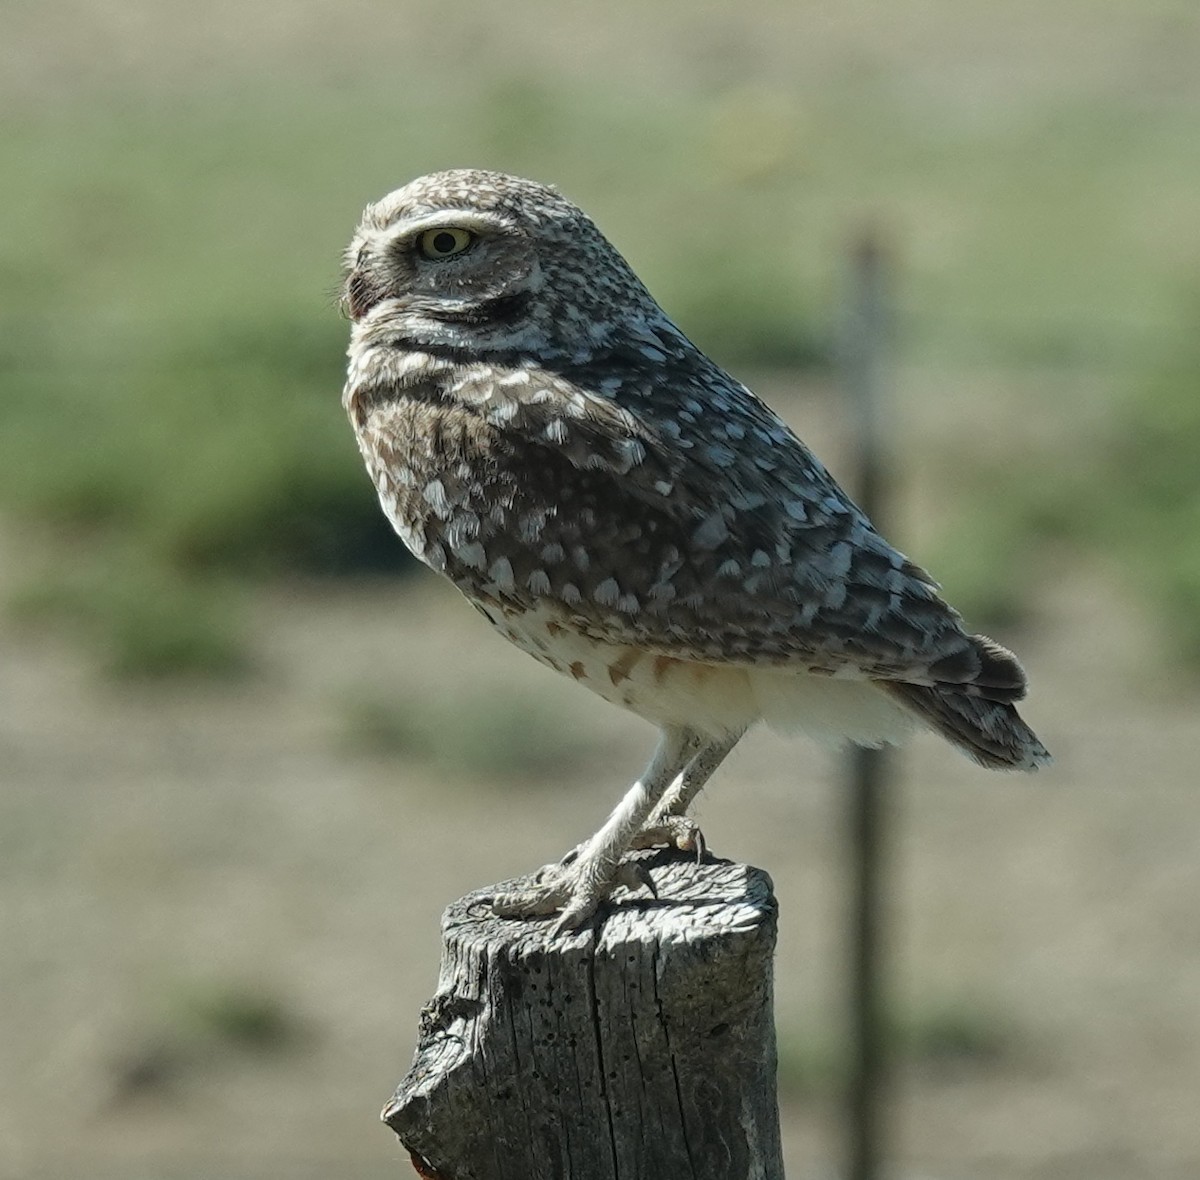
673, 831
633, 875
575, 916
574, 887
570, 858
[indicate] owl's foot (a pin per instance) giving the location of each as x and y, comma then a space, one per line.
576, 886
671, 831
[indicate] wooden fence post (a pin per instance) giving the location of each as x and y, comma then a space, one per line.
640, 1049
864, 361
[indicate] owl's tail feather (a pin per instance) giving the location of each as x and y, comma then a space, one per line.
989, 732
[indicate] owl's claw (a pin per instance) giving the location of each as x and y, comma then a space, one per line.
573, 886
673, 831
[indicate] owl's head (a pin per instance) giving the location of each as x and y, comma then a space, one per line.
481, 261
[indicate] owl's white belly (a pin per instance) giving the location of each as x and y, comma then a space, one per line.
717, 699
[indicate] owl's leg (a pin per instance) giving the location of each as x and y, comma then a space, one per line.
585, 878
669, 823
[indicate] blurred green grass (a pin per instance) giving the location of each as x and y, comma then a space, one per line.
141, 623
941, 1036
201, 1027
1128, 496
1142, 504
171, 357
515, 739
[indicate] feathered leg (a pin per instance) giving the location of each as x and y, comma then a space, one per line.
583, 879
669, 823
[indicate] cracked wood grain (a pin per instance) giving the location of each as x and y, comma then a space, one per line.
639, 1048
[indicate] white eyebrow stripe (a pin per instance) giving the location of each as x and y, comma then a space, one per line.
469, 219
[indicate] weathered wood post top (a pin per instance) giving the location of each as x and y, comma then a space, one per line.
640, 1048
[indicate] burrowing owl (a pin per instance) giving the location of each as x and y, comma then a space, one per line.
618, 506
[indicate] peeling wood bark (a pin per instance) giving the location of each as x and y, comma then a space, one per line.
642, 1048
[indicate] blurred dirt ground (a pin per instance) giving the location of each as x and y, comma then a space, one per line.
171, 854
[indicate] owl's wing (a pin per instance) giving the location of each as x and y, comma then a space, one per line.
726, 542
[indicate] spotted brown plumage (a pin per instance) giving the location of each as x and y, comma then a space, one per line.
617, 505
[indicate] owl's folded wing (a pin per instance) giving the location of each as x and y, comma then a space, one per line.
642, 539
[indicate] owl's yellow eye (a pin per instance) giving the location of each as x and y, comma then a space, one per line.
444, 243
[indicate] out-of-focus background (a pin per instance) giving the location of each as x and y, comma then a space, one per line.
248, 753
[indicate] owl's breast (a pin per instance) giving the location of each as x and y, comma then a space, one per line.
441, 480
